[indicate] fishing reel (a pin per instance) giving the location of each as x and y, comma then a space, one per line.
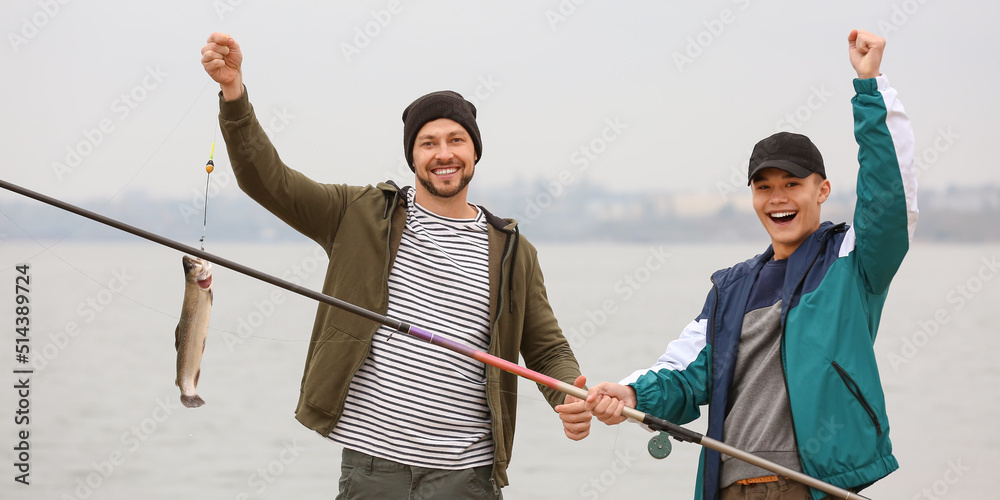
659, 446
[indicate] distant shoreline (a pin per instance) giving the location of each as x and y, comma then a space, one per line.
587, 213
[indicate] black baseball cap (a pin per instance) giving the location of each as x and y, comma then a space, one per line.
793, 153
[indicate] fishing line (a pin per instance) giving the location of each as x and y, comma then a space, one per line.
675, 431
158, 148
129, 181
614, 445
49, 251
209, 167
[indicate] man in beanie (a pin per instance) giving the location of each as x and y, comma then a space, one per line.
414, 420
782, 352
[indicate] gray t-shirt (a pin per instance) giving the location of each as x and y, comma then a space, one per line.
758, 416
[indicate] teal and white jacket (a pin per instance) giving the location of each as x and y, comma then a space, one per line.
834, 289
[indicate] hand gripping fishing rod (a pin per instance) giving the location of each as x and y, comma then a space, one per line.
677, 432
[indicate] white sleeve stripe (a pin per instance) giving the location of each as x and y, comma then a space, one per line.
680, 353
902, 139
847, 246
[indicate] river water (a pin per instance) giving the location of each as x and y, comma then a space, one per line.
105, 421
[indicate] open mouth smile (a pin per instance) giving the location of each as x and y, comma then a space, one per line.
782, 217
445, 171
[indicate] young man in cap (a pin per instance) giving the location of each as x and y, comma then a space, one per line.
412, 417
782, 351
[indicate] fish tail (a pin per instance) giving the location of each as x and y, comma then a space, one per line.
192, 401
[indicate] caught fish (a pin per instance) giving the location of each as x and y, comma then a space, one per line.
192, 329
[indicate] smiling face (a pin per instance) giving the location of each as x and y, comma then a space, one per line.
444, 159
788, 207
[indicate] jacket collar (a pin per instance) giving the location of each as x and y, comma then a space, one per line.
798, 263
804, 256
390, 189
506, 225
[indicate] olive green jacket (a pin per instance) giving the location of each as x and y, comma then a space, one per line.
360, 228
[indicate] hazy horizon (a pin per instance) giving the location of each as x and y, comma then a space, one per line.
109, 98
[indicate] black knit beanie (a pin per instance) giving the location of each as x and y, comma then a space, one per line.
441, 104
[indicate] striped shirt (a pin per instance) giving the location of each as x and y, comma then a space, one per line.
414, 402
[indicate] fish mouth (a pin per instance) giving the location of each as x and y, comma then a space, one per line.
200, 270
204, 277
188, 263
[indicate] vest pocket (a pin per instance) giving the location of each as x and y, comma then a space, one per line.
852, 386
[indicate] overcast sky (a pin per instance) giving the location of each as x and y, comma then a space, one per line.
108, 98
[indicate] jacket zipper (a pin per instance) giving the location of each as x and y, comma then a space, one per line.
388, 254
388, 243
500, 285
496, 321
711, 329
853, 387
784, 365
711, 377
389, 208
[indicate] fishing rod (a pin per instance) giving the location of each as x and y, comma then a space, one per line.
677, 432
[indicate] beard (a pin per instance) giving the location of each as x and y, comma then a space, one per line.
448, 190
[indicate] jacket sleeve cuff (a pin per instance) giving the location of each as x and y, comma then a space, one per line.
640, 406
643, 397
869, 86
237, 109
